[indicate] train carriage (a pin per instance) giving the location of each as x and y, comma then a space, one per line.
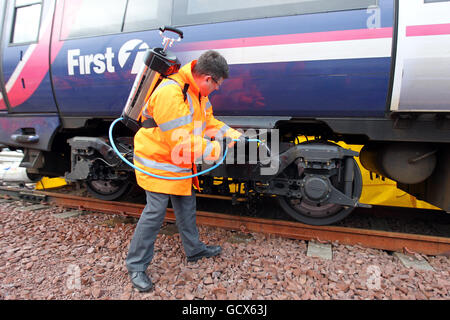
369, 72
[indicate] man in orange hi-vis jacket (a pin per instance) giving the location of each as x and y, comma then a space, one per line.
177, 116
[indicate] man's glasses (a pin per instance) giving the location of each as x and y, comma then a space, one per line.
216, 82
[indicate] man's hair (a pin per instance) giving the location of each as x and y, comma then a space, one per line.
212, 63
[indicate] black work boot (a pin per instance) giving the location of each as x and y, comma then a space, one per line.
141, 281
210, 251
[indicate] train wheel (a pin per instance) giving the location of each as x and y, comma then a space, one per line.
312, 213
108, 189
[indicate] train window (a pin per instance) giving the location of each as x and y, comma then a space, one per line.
27, 15
93, 17
99, 17
188, 12
147, 14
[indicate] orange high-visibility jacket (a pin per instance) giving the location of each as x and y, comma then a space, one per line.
171, 148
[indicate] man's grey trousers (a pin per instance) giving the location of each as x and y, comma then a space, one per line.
141, 249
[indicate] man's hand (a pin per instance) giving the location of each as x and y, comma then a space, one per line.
228, 143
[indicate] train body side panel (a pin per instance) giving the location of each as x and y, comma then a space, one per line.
3, 107
422, 70
43, 128
99, 88
326, 64
32, 118
26, 65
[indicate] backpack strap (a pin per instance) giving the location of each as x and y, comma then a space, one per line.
185, 90
150, 122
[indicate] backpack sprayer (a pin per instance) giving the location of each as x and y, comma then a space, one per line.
158, 64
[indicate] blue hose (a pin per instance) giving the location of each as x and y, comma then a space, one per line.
155, 175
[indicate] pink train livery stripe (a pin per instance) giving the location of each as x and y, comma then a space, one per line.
428, 30
358, 34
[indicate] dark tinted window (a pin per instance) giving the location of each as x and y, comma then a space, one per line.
147, 14
27, 15
187, 12
98, 17
94, 17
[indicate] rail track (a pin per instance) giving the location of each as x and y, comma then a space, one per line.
391, 241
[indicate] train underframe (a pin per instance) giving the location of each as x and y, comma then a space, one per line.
316, 182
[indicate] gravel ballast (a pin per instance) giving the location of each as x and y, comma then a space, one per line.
48, 256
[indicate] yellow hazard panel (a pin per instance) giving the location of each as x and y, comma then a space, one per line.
50, 183
382, 191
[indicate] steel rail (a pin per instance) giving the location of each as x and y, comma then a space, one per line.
391, 241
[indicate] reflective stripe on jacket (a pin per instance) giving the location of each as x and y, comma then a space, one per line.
172, 148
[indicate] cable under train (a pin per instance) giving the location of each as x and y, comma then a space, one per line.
369, 72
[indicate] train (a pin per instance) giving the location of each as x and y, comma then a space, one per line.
374, 73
